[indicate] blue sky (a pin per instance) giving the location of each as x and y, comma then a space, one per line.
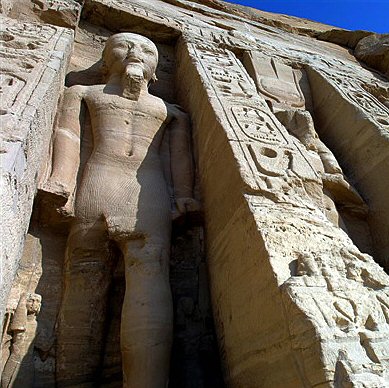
371, 15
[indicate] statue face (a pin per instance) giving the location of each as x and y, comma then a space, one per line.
125, 50
33, 303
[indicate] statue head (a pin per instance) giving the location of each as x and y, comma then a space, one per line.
126, 51
33, 303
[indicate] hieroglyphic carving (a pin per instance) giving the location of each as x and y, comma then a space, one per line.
279, 85
347, 297
33, 59
359, 138
258, 124
10, 87
261, 138
26, 35
24, 48
339, 290
314, 322
222, 67
274, 80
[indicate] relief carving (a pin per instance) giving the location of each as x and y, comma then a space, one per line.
279, 84
122, 196
17, 67
299, 188
375, 109
258, 125
268, 148
361, 323
22, 327
274, 80
287, 214
33, 59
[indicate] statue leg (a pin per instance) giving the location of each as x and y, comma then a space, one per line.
147, 315
81, 322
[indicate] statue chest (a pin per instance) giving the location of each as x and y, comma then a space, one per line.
144, 117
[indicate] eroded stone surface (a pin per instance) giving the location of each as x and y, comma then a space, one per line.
23, 328
291, 147
344, 37
374, 51
63, 13
33, 63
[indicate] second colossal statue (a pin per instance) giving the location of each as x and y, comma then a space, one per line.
121, 198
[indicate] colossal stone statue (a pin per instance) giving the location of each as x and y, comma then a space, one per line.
121, 198
291, 147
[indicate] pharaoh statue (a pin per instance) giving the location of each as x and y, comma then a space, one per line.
121, 199
18, 370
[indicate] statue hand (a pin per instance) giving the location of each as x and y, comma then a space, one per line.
344, 194
55, 187
57, 192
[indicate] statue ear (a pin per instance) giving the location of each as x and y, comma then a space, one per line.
103, 70
152, 80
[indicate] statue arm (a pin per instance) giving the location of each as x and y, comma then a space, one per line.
66, 144
181, 160
335, 182
330, 164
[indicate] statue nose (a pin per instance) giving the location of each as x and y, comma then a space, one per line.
134, 50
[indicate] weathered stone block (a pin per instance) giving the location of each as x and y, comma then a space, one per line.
34, 58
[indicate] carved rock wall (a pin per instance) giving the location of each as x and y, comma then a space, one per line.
194, 358
373, 50
355, 125
33, 65
257, 249
295, 302
57, 12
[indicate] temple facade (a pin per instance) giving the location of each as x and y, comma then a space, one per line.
194, 194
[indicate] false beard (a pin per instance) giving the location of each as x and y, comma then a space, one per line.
133, 79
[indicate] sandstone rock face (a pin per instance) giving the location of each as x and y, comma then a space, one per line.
252, 159
374, 50
34, 60
58, 12
344, 37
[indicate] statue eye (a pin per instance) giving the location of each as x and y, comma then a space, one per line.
147, 50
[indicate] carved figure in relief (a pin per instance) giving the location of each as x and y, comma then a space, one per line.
122, 197
287, 92
336, 189
341, 203
18, 370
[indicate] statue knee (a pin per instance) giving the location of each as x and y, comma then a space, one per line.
87, 249
148, 258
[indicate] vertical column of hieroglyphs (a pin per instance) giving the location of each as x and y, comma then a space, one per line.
33, 63
239, 261
282, 301
261, 142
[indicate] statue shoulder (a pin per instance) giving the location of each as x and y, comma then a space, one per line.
175, 111
76, 91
